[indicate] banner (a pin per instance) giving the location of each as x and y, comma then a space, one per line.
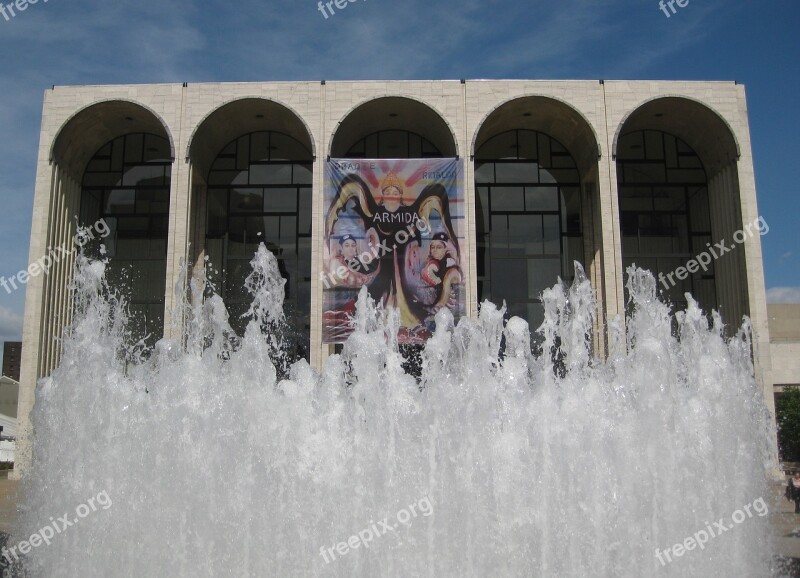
395, 226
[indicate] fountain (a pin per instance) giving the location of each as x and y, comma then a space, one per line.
201, 461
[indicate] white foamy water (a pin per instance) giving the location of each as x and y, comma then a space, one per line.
214, 468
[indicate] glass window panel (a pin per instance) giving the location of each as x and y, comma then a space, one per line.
544, 151
302, 174
542, 274
156, 149
282, 200
502, 146
217, 207
482, 264
700, 211
242, 152
371, 146
159, 225
120, 201
686, 176
552, 234
690, 162
571, 206
152, 201
97, 165
573, 251
227, 178
279, 174
509, 280
499, 235
635, 199
288, 235
670, 151
541, 198
133, 148
522, 172
669, 198
117, 155
285, 148
525, 234
393, 144
133, 225
484, 173
414, 146
305, 211
247, 200
507, 199
654, 146
482, 210
631, 146
224, 164
644, 173
680, 231
429, 149
564, 175
563, 162
259, 147
630, 245
528, 148
143, 175
102, 179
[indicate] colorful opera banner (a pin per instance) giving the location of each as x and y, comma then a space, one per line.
395, 226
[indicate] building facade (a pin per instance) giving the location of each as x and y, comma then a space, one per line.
607, 173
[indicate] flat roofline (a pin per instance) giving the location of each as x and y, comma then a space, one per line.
405, 80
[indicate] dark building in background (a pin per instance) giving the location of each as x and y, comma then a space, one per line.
12, 354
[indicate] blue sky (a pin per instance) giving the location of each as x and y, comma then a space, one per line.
91, 42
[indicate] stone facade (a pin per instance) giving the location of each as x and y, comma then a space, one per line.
586, 116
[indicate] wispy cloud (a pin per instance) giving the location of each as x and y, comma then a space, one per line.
783, 295
10, 325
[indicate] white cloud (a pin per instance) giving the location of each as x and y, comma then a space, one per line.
10, 325
783, 295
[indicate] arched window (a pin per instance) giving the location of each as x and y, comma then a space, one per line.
528, 224
127, 184
393, 144
259, 190
664, 211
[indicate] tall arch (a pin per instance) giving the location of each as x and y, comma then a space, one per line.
672, 139
78, 140
536, 206
251, 169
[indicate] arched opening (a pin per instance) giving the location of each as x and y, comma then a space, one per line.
527, 220
259, 191
251, 170
678, 186
393, 127
536, 211
664, 212
83, 181
126, 187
